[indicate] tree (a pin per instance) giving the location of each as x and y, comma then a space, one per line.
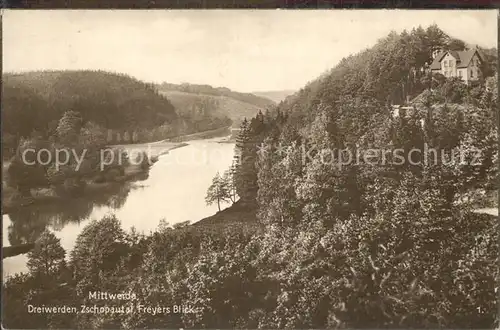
436, 38
456, 44
116, 159
98, 251
243, 160
27, 169
489, 63
92, 136
47, 257
453, 90
247, 143
218, 191
69, 128
230, 182
219, 283
490, 97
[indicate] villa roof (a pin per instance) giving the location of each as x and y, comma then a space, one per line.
436, 64
463, 58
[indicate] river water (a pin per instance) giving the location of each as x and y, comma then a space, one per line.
174, 190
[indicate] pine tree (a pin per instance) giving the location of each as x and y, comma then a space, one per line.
230, 182
436, 38
241, 139
245, 157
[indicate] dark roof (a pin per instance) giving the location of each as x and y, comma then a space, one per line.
463, 58
455, 54
436, 64
466, 56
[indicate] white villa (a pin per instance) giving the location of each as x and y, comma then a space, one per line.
463, 64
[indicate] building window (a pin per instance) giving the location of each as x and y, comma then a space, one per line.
471, 73
445, 64
460, 74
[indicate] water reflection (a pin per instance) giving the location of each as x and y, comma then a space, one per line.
26, 224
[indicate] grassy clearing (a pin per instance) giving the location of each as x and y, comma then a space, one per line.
236, 217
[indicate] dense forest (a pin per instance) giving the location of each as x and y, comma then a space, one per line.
334, 243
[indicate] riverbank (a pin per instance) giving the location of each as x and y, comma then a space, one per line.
227, 139
11, 201
219, 132
11, 251
153, 149
132, 172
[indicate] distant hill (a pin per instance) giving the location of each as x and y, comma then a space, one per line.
276, 96
219, 102
217, 91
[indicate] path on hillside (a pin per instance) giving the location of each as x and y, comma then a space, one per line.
198, 135
489, 210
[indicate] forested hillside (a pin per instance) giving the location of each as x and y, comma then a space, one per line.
390, 240
386, 239
203, 100
110, 100
35, 101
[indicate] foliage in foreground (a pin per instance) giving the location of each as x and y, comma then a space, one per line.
431, 270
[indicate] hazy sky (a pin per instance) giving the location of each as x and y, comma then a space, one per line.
245, 50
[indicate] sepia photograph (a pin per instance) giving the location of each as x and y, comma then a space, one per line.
250, 169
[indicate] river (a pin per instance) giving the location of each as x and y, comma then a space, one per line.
174, 190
